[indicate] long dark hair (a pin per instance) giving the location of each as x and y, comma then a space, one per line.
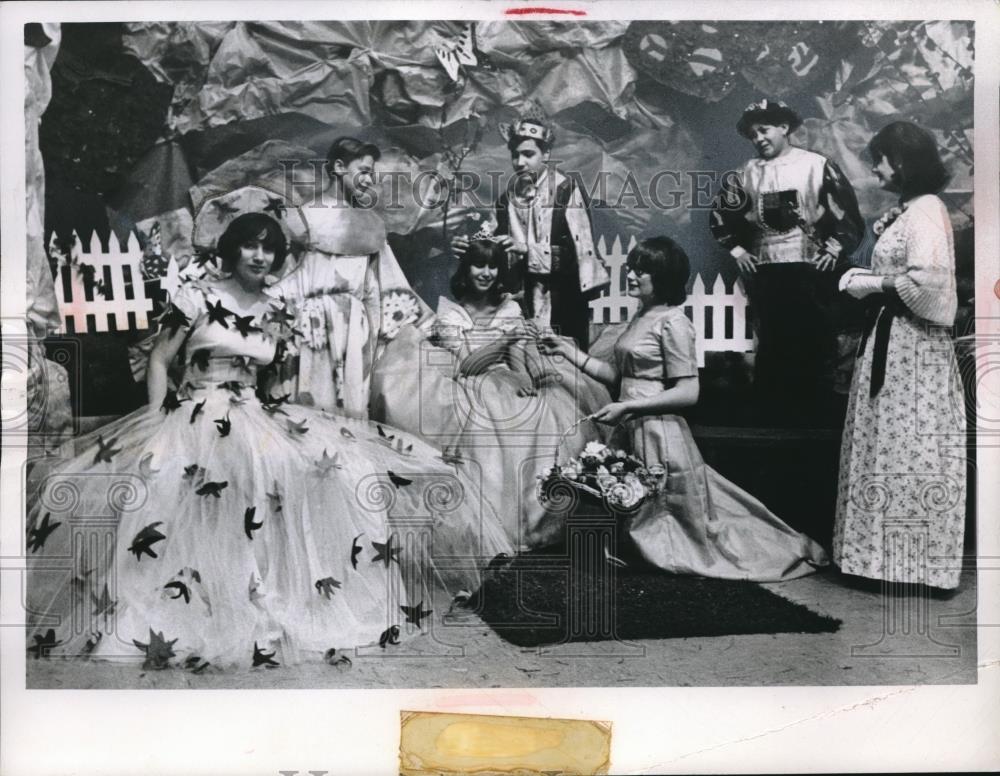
248, 228
913, 155
480, 253
667, 264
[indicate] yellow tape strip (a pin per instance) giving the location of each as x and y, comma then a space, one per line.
434, 744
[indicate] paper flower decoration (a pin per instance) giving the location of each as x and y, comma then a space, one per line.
399, 307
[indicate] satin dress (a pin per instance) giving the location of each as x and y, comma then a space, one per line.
700, 523
506, 420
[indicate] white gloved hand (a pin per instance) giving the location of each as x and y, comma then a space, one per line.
846, 277
860, 283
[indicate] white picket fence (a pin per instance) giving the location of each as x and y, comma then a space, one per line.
120, 304
720, 316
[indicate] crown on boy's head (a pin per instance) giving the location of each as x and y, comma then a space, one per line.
531, 124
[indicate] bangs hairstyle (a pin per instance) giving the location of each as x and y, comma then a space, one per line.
250, 227
666, 263
347, 149
516, 140
480, 253
913, 155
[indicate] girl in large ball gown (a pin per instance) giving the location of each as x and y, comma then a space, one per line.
218, 526
699, 523
479, 387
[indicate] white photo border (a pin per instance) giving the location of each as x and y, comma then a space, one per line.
655, 730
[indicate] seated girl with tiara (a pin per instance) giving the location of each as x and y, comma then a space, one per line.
478, 387
244, 531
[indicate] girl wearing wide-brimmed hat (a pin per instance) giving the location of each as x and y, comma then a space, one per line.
224, 526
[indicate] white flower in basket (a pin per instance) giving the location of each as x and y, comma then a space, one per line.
626, 494
606, 481
596, 450
568, 472
620, 479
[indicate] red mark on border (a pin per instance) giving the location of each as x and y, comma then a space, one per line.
996, 289
531, 11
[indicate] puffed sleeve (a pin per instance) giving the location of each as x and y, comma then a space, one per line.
728, 219
677, 344
184, 308
927, 285
449, 328
508, 318
841, 217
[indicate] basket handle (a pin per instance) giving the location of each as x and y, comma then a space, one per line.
572, 428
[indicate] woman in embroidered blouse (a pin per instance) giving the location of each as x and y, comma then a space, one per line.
903, 450
700, 523
484, 393
251, 531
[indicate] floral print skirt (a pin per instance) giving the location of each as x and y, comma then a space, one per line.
901, 497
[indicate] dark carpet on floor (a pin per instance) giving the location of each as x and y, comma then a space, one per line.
540, 599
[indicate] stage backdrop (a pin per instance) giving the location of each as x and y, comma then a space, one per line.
148, 119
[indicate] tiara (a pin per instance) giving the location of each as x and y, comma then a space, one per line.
486, 232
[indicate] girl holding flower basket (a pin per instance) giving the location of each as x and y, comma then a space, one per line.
697, 522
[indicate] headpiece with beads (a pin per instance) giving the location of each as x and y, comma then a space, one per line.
486, 232
530, 125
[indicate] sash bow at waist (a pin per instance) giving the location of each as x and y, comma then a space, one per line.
879, 320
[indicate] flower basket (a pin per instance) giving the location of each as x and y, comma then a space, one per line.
618, 480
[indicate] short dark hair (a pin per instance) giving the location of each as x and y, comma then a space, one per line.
668, 265
347, 149
913, 155
246, 228
515, 140
478, 254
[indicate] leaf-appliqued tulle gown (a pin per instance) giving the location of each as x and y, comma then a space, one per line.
505, 422
237, 531
700, 523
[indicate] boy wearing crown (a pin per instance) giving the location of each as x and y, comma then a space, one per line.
544, 221
790, 219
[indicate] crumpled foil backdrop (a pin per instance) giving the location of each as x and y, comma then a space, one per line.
627, 101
